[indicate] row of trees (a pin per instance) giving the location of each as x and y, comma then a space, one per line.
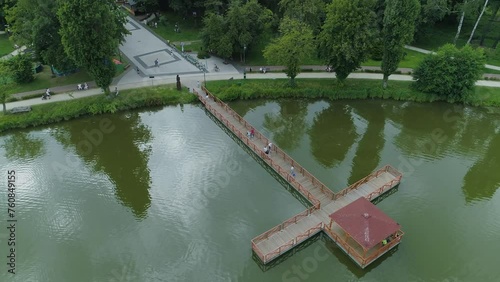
83, 34
347, 36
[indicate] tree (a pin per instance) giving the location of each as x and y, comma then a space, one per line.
469, 7
5, 82
451, 73
239, 27
312, 12
487, 27
20, 68
91, 32
398, 29
33, 24
295, 44
347, 35
477, 21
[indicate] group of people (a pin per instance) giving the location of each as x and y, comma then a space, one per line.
250, 133
83, 86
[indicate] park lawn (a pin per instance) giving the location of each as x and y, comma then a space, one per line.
411, 60
189, 28
6, 46
45, 80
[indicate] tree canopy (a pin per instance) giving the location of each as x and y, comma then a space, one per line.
242, 24
91, 32
398, 29
347, 35
294, 45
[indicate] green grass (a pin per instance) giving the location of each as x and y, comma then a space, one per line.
190, 28
94, 105
331, 89
410, 60
444, 32
45, 80
6, 46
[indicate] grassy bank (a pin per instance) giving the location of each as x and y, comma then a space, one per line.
127, 100
330, 89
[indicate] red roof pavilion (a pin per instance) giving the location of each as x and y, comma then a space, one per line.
365, 223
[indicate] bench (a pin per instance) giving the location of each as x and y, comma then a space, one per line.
20, 110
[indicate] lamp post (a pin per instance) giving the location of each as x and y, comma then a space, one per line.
244, 62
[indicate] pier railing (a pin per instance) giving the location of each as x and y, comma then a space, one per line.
288, 245
375, 174
285, 173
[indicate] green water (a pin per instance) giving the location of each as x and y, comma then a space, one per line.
167, 195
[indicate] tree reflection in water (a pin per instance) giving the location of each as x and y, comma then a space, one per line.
122, 155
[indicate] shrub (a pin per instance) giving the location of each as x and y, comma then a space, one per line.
451, 73
21, 68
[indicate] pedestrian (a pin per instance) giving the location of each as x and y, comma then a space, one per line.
137, 69
157, 63
198, 84
270, 146
156, 25
292, 171
266, 150
252, 132
47, 92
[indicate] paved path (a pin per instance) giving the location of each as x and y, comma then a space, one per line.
491, 67
191, 81
142, 48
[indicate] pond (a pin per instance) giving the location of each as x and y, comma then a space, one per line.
167, 195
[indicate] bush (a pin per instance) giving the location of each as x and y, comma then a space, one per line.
451, 73
203, 55
21, 68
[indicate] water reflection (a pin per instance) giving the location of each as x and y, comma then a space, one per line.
426, 129
332, 134
367, 157
22, 146
289, 125
483, 178
117, 145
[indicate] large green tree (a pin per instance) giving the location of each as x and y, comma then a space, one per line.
398, 29
33, 24
295, 44
91, 32
347, 35
228, 34
451, 73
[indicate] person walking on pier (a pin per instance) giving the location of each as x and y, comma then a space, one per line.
252, 132
270, 146
292, 171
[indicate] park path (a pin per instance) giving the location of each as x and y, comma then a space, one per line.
142, 47
192, 81
420, 50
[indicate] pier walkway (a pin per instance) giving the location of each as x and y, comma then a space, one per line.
323, 202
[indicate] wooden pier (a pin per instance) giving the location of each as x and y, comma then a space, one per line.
323, 202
